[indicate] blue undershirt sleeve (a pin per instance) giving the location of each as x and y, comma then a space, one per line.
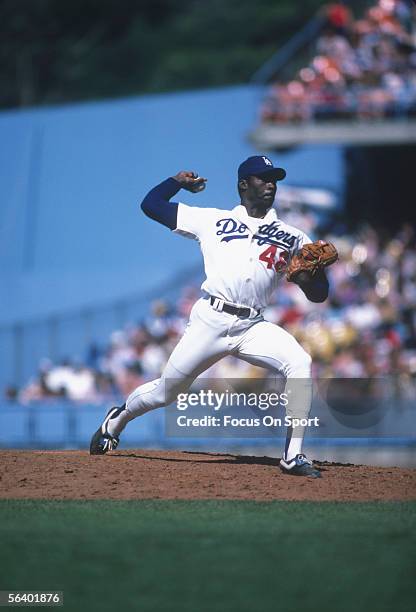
157, 206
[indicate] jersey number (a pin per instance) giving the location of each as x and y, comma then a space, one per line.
269, 256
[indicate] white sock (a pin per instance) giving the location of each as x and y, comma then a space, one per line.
116, 425
293, 445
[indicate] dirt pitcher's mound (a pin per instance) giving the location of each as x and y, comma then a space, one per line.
183, 475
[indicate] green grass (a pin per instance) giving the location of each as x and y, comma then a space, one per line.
218, 556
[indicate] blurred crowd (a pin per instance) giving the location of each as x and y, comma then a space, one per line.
367, 328
363, 68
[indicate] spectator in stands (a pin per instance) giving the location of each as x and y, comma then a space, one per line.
363, 69
338, 18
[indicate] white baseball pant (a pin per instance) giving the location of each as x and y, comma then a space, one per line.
211, 335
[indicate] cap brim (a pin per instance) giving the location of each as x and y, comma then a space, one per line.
277, 174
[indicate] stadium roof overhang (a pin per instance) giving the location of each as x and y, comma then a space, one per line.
359, 133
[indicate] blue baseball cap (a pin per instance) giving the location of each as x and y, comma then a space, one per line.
259, 165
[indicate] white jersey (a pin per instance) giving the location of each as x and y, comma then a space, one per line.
244, 257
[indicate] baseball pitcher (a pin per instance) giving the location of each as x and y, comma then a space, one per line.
246, 251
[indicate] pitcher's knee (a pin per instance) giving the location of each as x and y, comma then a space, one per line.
300, 367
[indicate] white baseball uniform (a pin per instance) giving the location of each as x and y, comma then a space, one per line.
244, 257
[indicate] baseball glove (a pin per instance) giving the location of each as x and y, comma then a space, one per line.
311, 258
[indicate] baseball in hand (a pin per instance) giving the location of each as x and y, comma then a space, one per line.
200, 186
191, 181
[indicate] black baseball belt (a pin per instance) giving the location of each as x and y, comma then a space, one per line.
240, 311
